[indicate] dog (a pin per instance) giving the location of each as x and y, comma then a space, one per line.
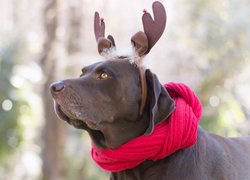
117, 100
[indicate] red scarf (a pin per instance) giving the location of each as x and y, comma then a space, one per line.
177, 132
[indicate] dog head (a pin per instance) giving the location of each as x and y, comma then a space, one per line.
114, 100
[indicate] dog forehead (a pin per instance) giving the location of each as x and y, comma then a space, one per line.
119, 65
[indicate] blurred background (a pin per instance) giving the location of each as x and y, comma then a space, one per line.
206, 45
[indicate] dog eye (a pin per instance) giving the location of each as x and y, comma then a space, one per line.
103, 75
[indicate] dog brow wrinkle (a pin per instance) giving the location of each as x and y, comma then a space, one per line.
84, 69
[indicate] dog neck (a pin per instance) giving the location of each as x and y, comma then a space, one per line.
179, 131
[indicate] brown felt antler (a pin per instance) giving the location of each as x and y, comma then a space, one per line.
103, 44
153, 29
144, 41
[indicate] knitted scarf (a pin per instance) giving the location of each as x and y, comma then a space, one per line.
176, 132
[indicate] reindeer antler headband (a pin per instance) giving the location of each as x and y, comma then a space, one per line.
141, 41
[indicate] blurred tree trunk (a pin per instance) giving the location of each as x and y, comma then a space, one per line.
62, 24
74, 26
53, 140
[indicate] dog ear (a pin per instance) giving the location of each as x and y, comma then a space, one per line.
160, 104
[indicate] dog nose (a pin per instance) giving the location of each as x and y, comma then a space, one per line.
57, 87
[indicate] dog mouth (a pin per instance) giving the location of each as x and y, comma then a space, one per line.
87, 124
80, 124
60, 113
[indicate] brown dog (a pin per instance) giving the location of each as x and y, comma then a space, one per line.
113, 101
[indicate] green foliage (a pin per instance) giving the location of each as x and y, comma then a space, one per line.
220, 33
10, 102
